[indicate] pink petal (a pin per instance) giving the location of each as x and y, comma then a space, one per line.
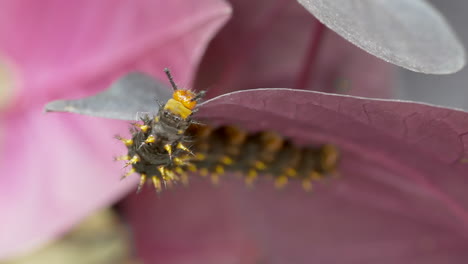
280, 44
401, 198
78, 44
53, 175
57, 168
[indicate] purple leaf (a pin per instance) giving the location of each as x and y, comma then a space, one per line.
423, 145
401, 197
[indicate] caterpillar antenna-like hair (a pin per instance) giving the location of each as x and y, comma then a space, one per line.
171, 80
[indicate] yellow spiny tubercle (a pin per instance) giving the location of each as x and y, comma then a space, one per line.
204, 172
135, 159
168, 148
130, 172
307, 185
192, 167
184, 179
142, 182
162, 171
215, 178
291, 172
259, 165
249, 180
219, 169
226, 160
144, 128
182, 147
200, 156
150, 139
252, 173
125, 157
315, 175
156, 183
127, 142
281, 181
178, 161
171, 176
330, 156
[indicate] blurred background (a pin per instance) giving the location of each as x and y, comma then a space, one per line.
446, 90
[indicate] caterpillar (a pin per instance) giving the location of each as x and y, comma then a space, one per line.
168, 146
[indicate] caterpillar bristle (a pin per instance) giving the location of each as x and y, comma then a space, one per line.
123, 157
156, 183
130, 172
142, 182
170, 146
127, 142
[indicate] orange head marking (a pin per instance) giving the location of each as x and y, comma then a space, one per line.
185, 97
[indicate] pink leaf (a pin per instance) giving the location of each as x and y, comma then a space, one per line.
57, 169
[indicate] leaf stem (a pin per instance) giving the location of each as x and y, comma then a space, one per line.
306, 72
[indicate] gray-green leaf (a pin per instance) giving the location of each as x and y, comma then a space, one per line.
408, 33
133, 93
